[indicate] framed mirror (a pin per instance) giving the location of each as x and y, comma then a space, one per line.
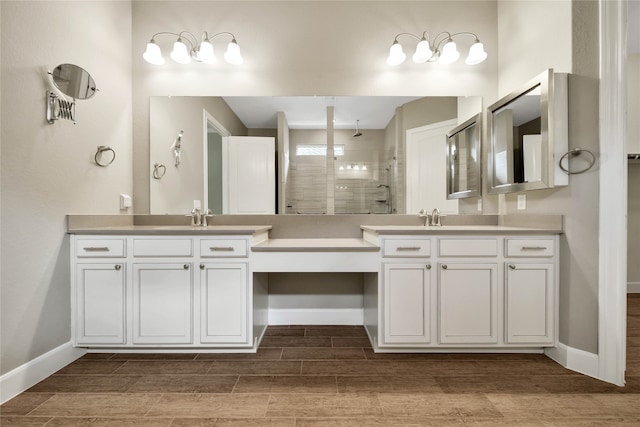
463, 159
528, 133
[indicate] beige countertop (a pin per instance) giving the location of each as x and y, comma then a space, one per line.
212, 230
315, 245
458, 229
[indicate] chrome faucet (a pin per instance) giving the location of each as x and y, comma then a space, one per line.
196, 217
199, 218
207, 214
436, 217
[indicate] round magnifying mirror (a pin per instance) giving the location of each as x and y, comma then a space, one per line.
74, 81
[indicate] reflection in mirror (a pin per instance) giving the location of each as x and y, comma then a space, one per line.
366, 173
527, 132
74, 81
463, 160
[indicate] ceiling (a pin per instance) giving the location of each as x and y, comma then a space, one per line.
309, 112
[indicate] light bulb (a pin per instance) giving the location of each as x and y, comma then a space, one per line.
364, 167
449, 53
205, 53
232, 55
180, 53
476, 54
396, 55
152, 54
349, 167
341, 168
356, 167
423, 52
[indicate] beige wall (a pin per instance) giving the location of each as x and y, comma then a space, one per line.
574, 52
48, 170
320, 48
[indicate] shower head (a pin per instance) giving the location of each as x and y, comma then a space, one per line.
357, 132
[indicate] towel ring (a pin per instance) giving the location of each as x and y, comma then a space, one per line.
159, 170
576, 152
102, 149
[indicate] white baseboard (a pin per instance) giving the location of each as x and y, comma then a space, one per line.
633, 287
577, 360
316, 316
31, 373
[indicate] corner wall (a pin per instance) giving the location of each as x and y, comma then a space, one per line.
567, 43
48, 170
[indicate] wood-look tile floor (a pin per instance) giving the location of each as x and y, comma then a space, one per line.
328, 376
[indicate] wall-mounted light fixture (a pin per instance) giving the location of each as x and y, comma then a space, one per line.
186, 47
442, 49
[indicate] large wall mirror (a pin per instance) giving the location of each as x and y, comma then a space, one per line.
367, 173
528, 135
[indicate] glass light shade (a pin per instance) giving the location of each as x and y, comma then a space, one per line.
180, 53
396, 55
205, 53
476, 54
423, 52
232, 55
152, 54
449, 53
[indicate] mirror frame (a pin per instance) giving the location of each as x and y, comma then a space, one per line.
474, 122
553, 130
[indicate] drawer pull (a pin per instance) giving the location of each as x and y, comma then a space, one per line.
408, 248
118, 267
186, 266
534, 248
96, 249
221, 249
444, 266
201, 266
428, 266
512, 266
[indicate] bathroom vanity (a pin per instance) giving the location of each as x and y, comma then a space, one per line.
426, 289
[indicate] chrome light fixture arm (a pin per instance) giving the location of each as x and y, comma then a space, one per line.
441, 48
199, 50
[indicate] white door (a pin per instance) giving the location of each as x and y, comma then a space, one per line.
251, 175
426, 168
407, 304
162, 303
223, 295
468, 303
529, 303
100, 303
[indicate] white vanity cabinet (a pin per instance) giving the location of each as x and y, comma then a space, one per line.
224, 287
462, 292
529, 291
408, 293
162, 291
468, 290
99, 296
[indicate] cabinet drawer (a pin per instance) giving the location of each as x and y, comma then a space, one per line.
530, 247
223, 248
100, 248
407, 248
162, 247
468, 247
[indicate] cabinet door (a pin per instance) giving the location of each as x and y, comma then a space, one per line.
100, 303
162, 295
223, 296
529, 305
407, 304
468, 303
